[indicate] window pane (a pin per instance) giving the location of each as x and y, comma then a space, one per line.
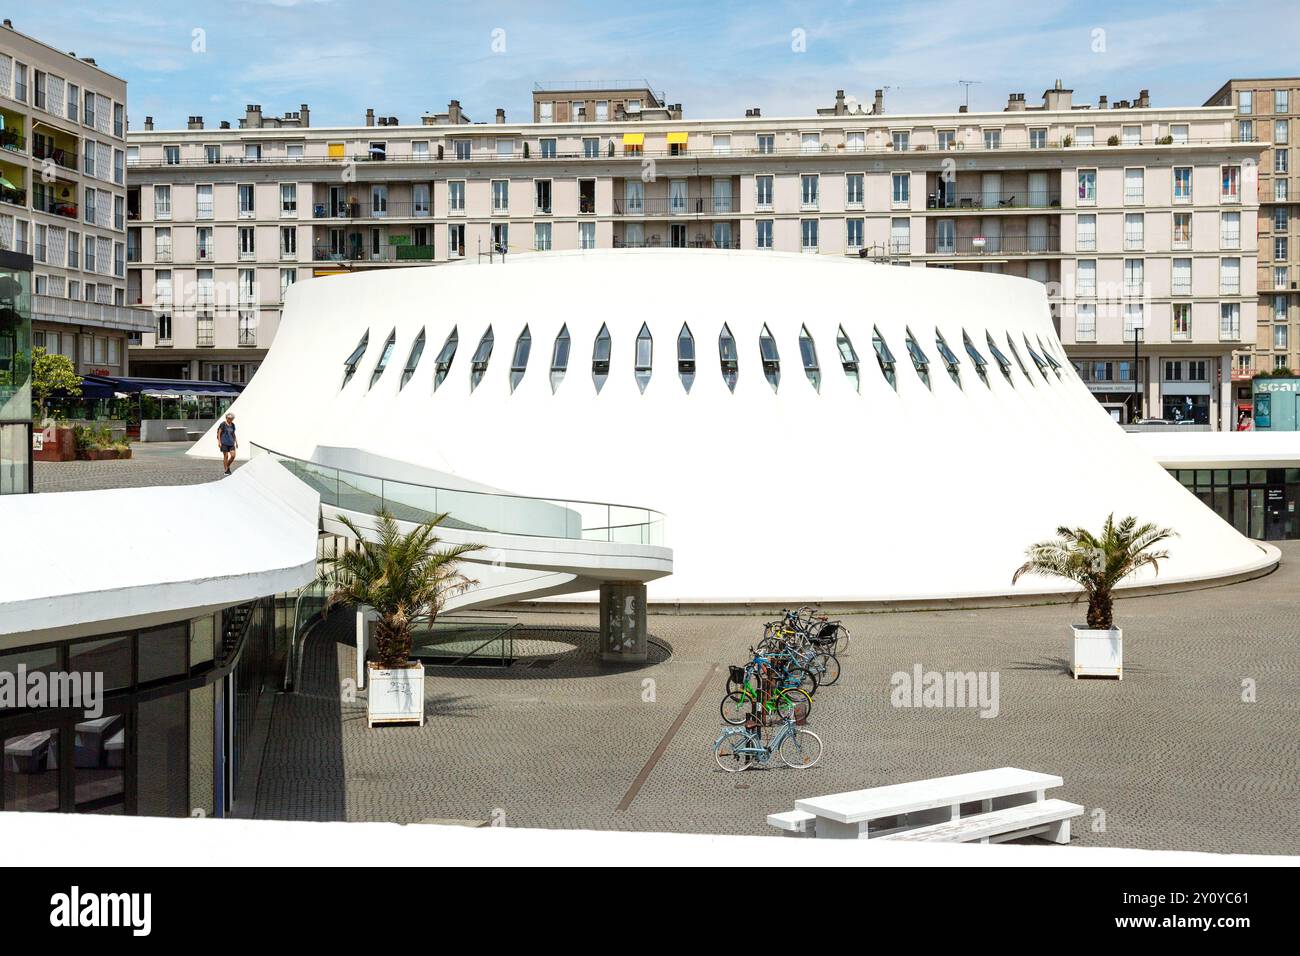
31, 771
110, 656
163, 652
162, 757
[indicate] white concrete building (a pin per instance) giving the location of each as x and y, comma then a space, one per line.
1133, 215
812, 428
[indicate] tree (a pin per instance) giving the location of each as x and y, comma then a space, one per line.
1097, 563
405, 577
51, 373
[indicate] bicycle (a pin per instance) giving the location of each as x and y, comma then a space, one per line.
740, 748
771, 695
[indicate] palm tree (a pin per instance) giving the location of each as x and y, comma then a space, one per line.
1097, 563
404, 577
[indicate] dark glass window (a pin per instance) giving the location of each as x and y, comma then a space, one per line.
560, 357
350, 364
99, 776
919, 360
1037, 360
644, 357
808, 354
848, 358
110, 656
686, 357
163, 652
412, 360
771, 358
885, 357
162, 761
31, 771
478, 364
384, 356
443, 363
978, 360
519, 362
950, 360
727, 356
1023, 371
600, 358
1004, 363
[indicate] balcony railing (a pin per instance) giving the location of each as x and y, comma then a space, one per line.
247, 337
55, 206
15, 197
656, 242
75, 311
681, 206
67, 158
367, 210
13, 141
994, 246
534, 153
385, 254
1023, 199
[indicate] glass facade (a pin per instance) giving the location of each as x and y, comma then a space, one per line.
15, 373
180, 712
1261, 503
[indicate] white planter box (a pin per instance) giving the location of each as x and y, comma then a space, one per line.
396, 696
1097, 653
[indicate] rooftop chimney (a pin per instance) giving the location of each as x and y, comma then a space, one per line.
10, 24
370, 117
878, 105
840, 108
453, 112
501, 115
194, 122
148, 124
1144, 99
225, 124
1103, 102
392, 121
304, 115
1058, 98
252, 116
90, 60
1015, 102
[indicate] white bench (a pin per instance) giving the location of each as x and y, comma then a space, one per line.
1049, 819
794, 823
943, 808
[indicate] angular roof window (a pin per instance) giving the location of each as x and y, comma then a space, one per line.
981, 364
384, 356
885, 357
479, 363
727, 356
848, 358
560, 357
1038, 360
600, 358
808, 353
412, 360
645, 347
519, 362
771, 358
1004, 363
686, 357
950, 360
919, 360
1016, 355
350, 363
442, 364
1051, 359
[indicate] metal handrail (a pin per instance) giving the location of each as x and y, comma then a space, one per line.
653, 518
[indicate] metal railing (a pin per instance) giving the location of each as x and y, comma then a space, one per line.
1025, 199
680, 206
48, 202
67, 158
392, 209
533, 152
1004, 245
482, 511
658, 242
406, 253
457, 639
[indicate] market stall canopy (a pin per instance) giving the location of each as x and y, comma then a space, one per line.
108, 386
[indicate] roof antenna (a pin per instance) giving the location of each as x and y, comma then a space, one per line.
966, 85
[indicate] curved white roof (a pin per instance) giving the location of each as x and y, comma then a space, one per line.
851, 489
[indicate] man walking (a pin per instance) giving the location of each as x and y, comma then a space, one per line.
227, 442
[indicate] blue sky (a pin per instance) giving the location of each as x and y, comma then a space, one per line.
405, 57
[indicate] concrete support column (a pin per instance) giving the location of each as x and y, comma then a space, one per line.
622, 622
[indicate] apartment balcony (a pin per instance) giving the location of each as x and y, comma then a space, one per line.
367, 210
49, 203
681, 206
247, 337
12, 140
322, 253
63, 156
993, 247
14, 197
48, 308
979, 201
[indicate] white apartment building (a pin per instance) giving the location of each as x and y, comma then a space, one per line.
63, 199
1132, 214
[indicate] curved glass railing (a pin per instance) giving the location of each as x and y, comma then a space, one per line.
488, 512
